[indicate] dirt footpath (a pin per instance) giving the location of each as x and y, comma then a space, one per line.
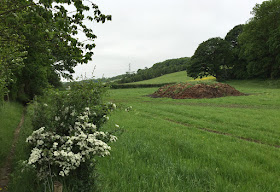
5, 171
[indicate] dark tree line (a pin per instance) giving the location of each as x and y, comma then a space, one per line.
158, 69
248, 51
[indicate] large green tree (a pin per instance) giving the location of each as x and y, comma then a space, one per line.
49, 29
239, 65
260, 41
211, 58
12, 49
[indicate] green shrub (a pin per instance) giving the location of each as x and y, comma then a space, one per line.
67, 134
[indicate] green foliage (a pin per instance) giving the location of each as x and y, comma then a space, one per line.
12, 50
158, 69
260, 41
253, 51
239, 65
211, 58
57, 112
233, 34
79, 96
45, 32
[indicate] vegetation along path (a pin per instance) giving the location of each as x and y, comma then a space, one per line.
5, 171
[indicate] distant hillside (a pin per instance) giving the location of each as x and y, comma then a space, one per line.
176, 77
158, 69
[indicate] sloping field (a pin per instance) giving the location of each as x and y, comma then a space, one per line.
220, 144
171, 78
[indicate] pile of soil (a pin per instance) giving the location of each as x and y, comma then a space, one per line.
198, 91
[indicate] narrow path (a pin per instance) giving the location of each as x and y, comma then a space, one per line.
5, 171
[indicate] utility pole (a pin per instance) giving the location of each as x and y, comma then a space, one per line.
129, 68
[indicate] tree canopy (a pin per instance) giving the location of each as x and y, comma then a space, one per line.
260, 41
253, 49
39, 42
210, 58
238, 70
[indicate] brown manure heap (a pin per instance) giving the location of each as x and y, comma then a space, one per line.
198, 91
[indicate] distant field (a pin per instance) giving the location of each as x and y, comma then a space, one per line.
170, 78
222, 144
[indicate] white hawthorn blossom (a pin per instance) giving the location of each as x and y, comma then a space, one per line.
66, 152
114, 106
106, 117
56, 118
35, 155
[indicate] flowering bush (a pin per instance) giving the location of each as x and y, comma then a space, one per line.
54, 155
69, 133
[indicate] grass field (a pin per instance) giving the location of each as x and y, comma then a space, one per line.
170, 78
10, 114
221, 144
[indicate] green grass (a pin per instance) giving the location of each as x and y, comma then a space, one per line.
168, 78
23, 181
222, 144
176, 77
10, 116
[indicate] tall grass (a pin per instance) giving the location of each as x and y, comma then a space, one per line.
10, 116
222, 144
23, 181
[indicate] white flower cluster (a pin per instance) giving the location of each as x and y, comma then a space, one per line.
63, 153
113, 106
128, 109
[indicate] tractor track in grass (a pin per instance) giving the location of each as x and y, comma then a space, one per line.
5, 171
215, 131
222, 133
236, 106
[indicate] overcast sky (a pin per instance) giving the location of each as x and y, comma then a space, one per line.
144, 32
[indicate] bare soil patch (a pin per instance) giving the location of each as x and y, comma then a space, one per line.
198, 91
